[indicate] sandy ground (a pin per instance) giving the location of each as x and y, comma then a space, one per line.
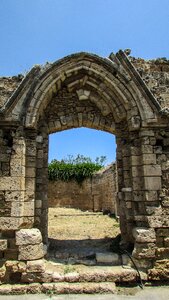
74, 233
69, 223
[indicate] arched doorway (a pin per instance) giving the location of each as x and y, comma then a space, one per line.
104, 94
84, 90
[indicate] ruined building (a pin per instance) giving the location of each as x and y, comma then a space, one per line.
122, 95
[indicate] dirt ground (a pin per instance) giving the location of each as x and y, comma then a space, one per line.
76, 234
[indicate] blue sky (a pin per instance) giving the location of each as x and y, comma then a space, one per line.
36, 31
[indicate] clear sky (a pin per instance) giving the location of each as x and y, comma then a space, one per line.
36, 31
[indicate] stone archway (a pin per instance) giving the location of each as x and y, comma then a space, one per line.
104, 94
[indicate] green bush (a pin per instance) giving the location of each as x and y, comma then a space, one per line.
72, 168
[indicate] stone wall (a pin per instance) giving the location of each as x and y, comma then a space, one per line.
155, 73
7, 86
94, 194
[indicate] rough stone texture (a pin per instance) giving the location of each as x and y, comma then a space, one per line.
36, 266
155, 73
121, 95
7, 86
95, 194
143, 235
28, 237
31, 252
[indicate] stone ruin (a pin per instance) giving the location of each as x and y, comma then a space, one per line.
122, 95
97, 193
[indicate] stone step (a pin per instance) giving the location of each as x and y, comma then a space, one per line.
79, 288
95, 275
113, 275
59, 288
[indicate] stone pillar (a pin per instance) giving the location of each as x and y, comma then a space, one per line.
146, 200
29, 242
30, 178
12, 189
41, 202
124, 188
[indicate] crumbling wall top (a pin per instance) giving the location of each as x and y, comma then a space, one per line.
7, 87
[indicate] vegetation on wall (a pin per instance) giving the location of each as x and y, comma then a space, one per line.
74, 168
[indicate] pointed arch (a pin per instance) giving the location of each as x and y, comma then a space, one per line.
112, 85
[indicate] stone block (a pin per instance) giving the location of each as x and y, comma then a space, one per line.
155, 221
18, 289
36, 266
152, 183
30, 161
10, 183
57, 277
28, 237
30, 172
107, 258
150, 195
144, 235
142, 263
137, 171
31, 252
15, 266
127, 196
5, 289
72, 277
30, 184
149, 159
16, 167
14, 196
31, 148
31, 277
162, 253
146, 133
29, 209
28, 222
136, 160
138, 196
164, 232
3, 245
147, 149
34, 288
137, 183
144, 250
17, 209
10, 223
135, 151
152, 170
46, 276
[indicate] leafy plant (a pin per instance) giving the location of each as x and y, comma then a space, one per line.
77, 168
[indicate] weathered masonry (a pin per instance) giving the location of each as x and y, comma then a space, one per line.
97, 193
121, 95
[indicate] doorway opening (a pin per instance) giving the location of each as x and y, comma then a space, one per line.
82, 215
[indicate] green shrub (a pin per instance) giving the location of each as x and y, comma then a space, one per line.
72, 168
